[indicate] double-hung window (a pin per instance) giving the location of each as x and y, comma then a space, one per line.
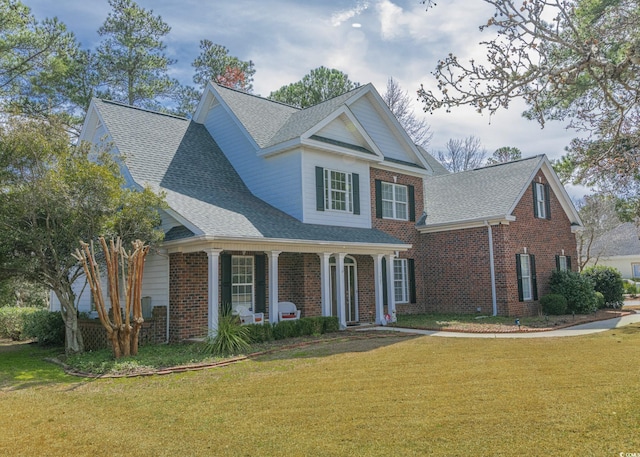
242, 281
526, 272
525, 275
395, 201
400, 281
338, 194
563, 263
635, 267
541, 203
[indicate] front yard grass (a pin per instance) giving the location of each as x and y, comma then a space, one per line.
400, 396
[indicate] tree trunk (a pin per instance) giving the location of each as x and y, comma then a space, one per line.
73, 343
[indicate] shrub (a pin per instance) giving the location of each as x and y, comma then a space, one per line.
12, 322
630, 288
330, 324
608, 282
260, 333
554, 304
600, 300
577, 289
231, 338
287, 329
46, 327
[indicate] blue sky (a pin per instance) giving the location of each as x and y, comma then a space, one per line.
370, 40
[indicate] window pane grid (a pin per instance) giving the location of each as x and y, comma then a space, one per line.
242, 281
337, 190
394, 201
400, 281
526, 276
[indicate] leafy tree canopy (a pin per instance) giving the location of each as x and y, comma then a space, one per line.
504, 154
573, 60
319, 85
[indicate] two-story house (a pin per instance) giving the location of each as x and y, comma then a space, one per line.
325, 207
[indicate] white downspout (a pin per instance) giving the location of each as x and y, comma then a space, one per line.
161, 253
492, 269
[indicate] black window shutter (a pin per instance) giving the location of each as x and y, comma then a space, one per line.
412, 204
534, 281
355, 182
569, 263
412, 280
558, 263
519, 275
547, 201
225, 260
320, 188
261, 287
385, 301
535, 201
378, 199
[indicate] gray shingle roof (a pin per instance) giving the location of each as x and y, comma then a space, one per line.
475, 194
179, 157
622, 240
271, 123
437, 167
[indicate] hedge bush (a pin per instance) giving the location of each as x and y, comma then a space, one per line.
577, 289
46, 327
12, 321
290, 329
630, 288
607, 281
554, 304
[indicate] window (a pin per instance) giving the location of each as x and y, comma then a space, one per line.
563, 263
526, 273
338, 191
400, 281
395, 201
541, 202
242, 281
635, 267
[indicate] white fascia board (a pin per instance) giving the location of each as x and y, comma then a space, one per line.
398, 130
200, 243
184, 221
341, 150
470, 223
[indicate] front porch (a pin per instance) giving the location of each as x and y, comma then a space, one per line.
202, 282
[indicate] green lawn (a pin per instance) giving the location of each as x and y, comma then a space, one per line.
393, 396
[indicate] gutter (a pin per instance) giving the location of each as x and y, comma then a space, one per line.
492, 269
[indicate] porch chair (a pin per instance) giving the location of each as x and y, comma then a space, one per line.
287, 311
247, 316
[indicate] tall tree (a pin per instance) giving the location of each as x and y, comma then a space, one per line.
399, 102
319, 85
133, 66
462, 154
574, 60
599, 216
504, 154
51, 196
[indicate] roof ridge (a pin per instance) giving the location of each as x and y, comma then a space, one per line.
255, 96
146, 110
494, 165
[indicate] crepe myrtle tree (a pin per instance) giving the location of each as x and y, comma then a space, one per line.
571, 60
54, 194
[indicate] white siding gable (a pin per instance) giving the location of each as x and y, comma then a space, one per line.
313, 159
342, 129
276, 180
386, 138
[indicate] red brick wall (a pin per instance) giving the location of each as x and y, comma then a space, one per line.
403, 230
188, 295
457, 274
299, 282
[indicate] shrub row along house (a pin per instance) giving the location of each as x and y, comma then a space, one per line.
332, 208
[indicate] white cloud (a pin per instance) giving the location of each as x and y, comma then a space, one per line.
339, 17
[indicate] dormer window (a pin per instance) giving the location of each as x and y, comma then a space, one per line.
337, 191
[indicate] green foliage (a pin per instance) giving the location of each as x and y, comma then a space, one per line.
231, 338
319, 85
12, 320
21, 293
46, 327
504, 154
607, 281
260, 333
131, 59
330, 324
630, 288
577, 289
554, 304
600, 300
215, 64
291, 329
287, 329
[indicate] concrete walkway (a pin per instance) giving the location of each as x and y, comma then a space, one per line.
576, 330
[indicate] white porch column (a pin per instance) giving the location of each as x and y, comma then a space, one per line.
273, 285
213, 256
340, 290
325, 283
391, 295
377, 277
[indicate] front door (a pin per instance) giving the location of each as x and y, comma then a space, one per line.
350, 289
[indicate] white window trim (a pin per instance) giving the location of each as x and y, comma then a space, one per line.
635, 265
562, 260
540, 201
235, 284
401, 266
348, 192
525, 261
394, 202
